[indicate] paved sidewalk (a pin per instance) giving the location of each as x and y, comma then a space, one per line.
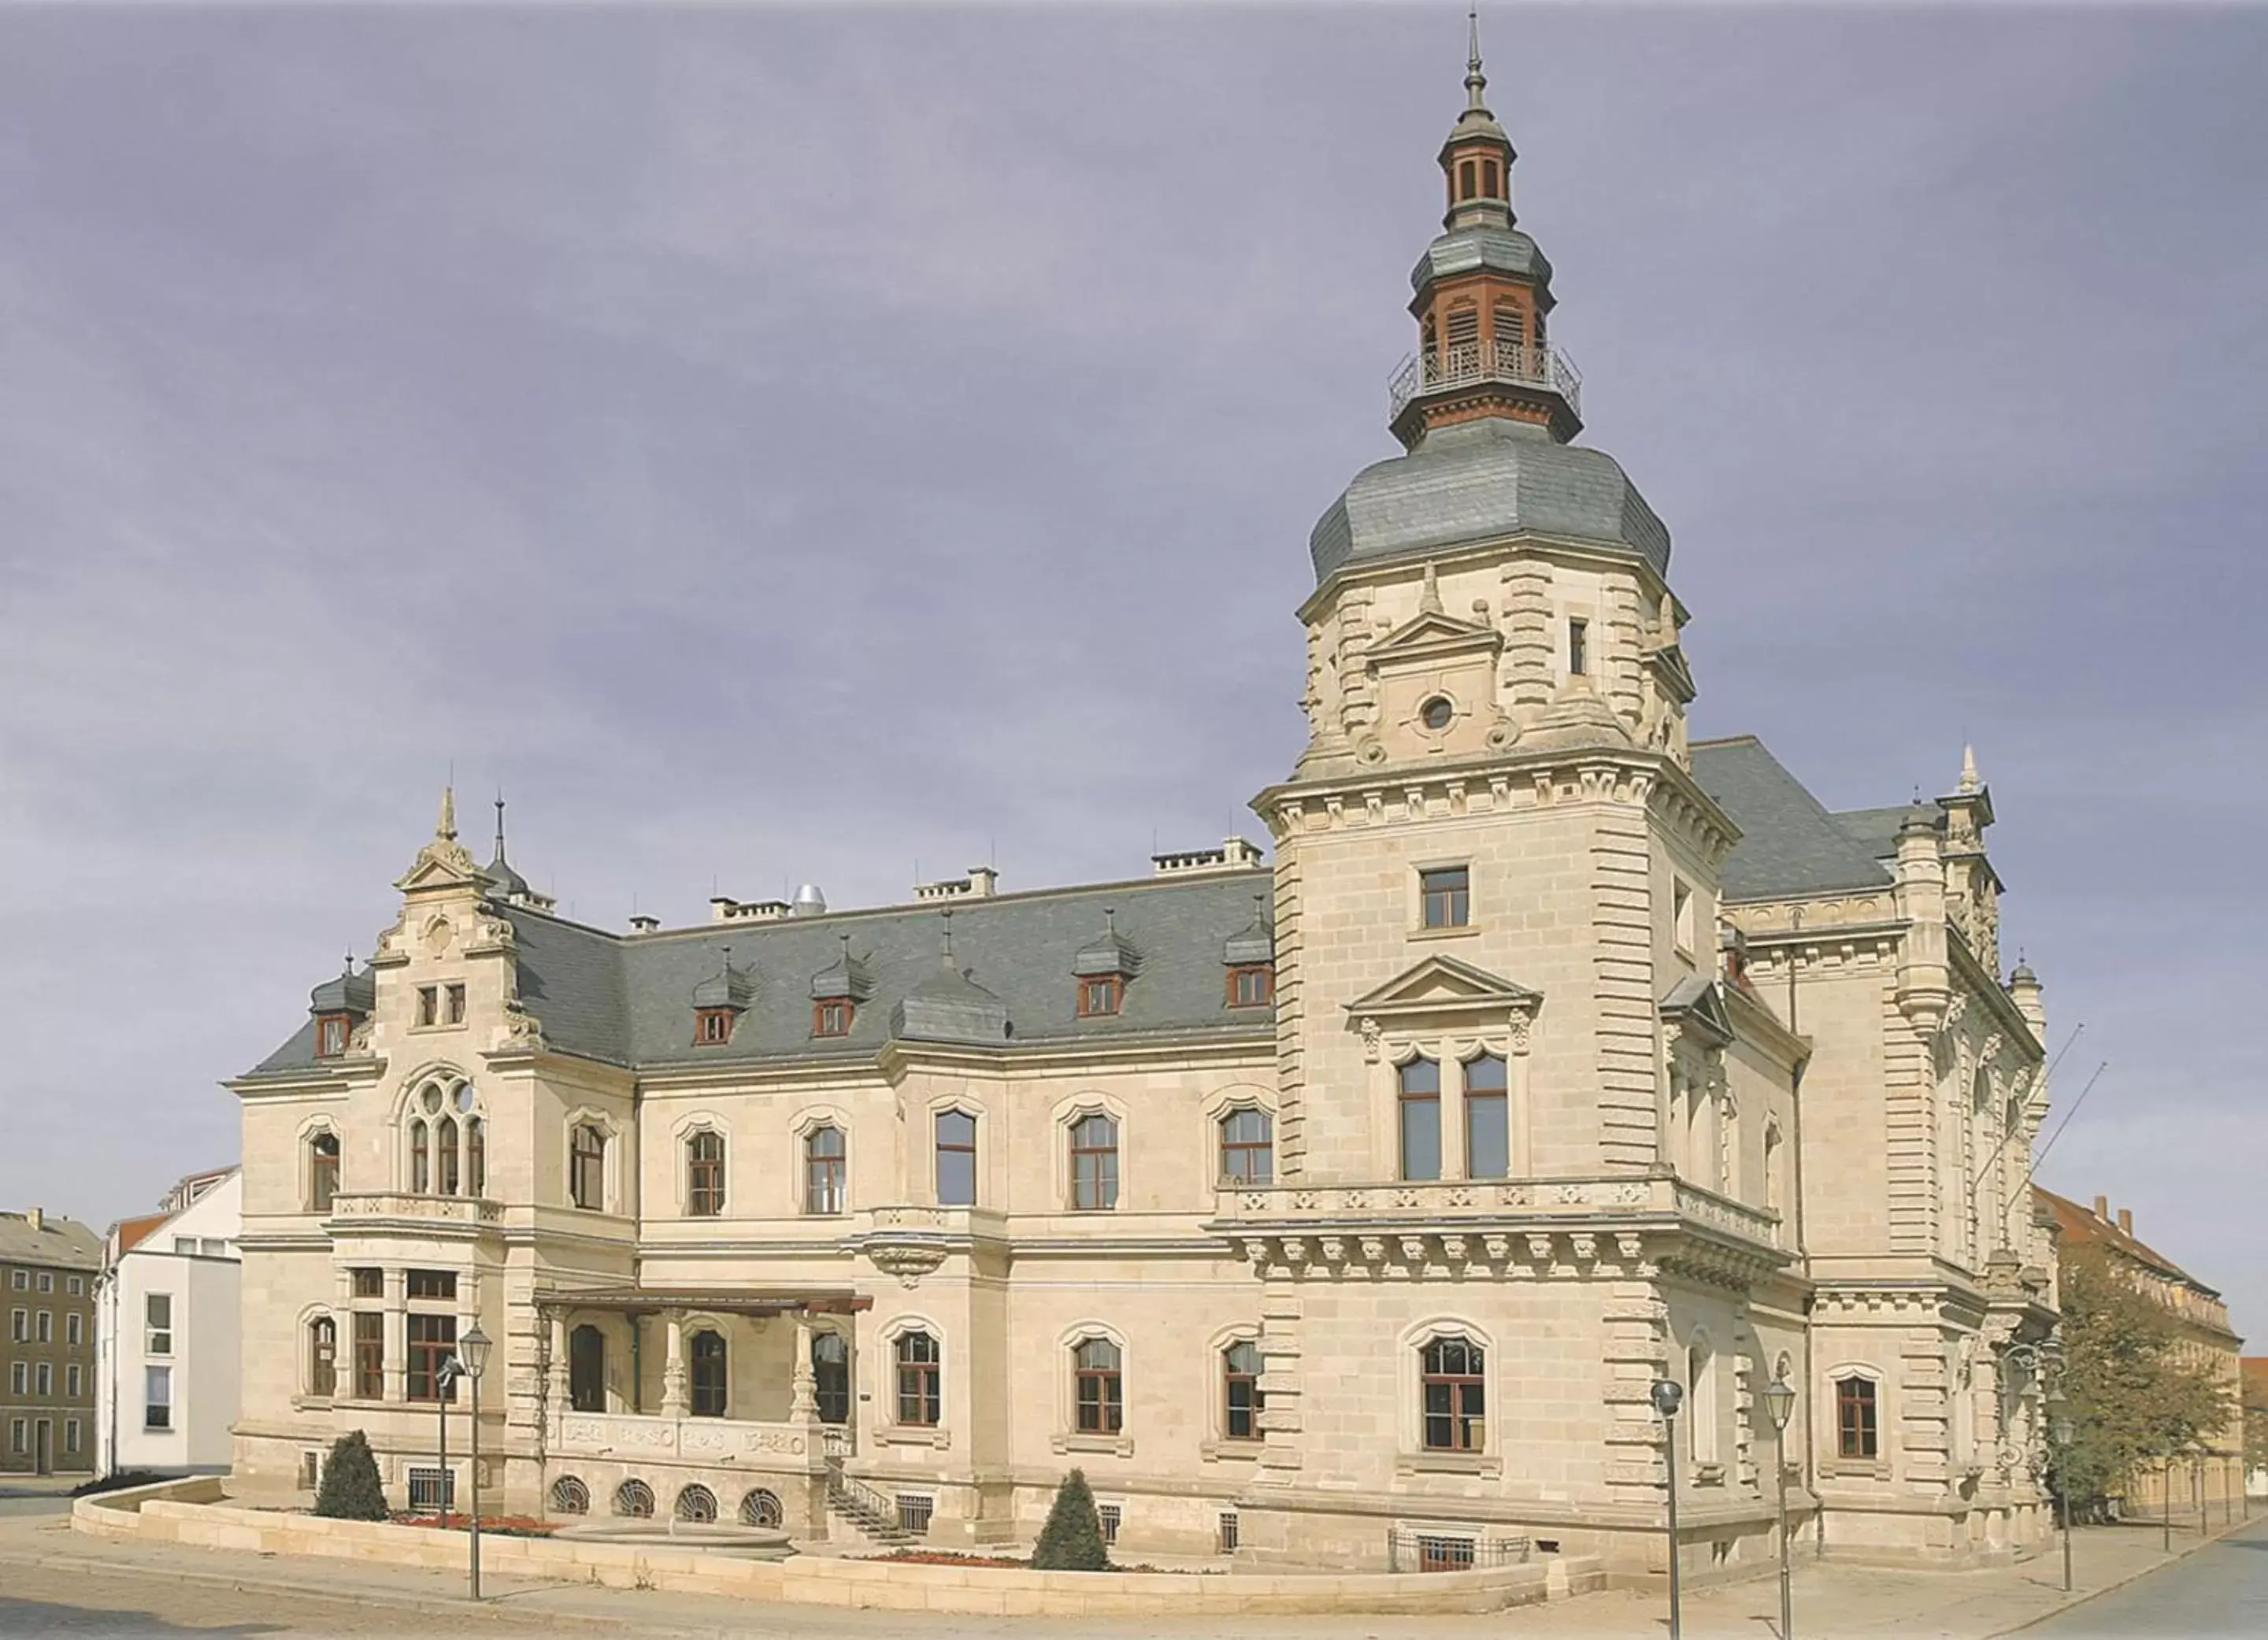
1832, 1602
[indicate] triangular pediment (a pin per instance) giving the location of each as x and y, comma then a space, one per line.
441, 863
1444, 985
1694, 1001
1430, 634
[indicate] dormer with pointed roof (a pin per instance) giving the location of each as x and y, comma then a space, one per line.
719, 1001
950, 1006
504, 883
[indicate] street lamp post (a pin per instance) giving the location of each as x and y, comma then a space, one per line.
2060, 1431
1779, 1401
473, 1355
1668, 1395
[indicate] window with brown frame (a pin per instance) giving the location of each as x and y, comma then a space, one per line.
920, 1403
441, 1284
823, 1167
1241, 1396
833, 1017
331, 1032
1247, 1148
586, 1369
704, 1173
712, 1028
1419, 1102
1491, 180
1094, 1163
322, 1171
368, 1354
1455, 1401
322, 1358
1100, 995
1855, 1424
587, 1168
1098, 1391
711, 1375
1444, 896
429, 1004
367, 1281
432, 1341
1251, 986
1466, 179
453, 997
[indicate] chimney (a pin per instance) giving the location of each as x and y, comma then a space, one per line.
645, 924
36, 1218
2102, 1208
2126, 1220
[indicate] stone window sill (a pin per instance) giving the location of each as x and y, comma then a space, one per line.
1217, 1448
1483, 1464
1708, 1474
1855, 1469
1119, 1446
1458, 930
913, 1434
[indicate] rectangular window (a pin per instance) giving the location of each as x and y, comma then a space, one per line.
73, 1329
19, 1437
432, 1341
1444, 1554
19, 1280
74, 1380
433, 1285
1420, 1120
47, 1281
19, 1325
712, 1028
75, 1286
46, 1332
47, 1379
1854, 1419
70, 1435
1111, 1514
1101, 996
1095, 1164
1488, 1130
1446, 894
19, 1379
1251, 987
956, 1158
1228, 1532
831, 1018
310, 1470
157, 1398
157, 1339
186, 1244
429, 1004
369, 1356
914, 1512
453, 997
1579, 646
331, 1036
369, 1281
587, 1168
433, 1488
1681, 915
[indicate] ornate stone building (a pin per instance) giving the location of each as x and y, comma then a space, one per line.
1340, 1210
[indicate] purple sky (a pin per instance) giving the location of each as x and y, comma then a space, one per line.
783, 445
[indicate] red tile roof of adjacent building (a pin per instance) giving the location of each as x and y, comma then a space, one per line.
2078, 1224
131, 1232
2255, 1369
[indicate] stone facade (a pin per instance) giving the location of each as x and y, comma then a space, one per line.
1339, 1213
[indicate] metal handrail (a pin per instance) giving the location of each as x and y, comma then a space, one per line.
862, 1502
1530, 365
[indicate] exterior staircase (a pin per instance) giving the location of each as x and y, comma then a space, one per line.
855, 1503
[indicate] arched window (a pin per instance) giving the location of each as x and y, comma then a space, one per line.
476, 1156
761, 1508
1097, 1390
697, 1505
1775, 1163
1247, 1147
1466, 178
322, 1358
1488, 1122
322, 1170
824, 1156
711, 1374
447, 1154
421, 1157
586, 1369
634, 1499
1454, 1399
704, 1173
586, 1167
919, 1403
1420, 1119
1094, 1163
1241, 1396
956, 1158
570, 1495
830, 1373
1857, 1428
444, 1156
1701, 1389
1491, 180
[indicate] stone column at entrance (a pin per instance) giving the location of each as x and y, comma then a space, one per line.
673, 1403
803, 1401
555, 1386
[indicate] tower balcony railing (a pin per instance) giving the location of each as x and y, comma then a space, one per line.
1522, 364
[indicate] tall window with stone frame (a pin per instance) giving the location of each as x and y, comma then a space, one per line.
830, 1376
1455, 1395
432, 1340
711, 1374
824, 1167
1488, 1125
1241, 1394
920, 1399
1094, 1163
955, 1139
322, 1170
1247, 1147
368, 1354
1856, 1429
1098, 1391
1419, 1113
1444, 896
447, 1141
586, 1167
322, 1358
586, 1369
704, 1173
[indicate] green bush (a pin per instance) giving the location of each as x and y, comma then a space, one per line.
351, 1490
1072, 1539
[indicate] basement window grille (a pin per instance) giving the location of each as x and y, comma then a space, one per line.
914, 1512
433, 1489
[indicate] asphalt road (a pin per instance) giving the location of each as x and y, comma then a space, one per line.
2221, 1589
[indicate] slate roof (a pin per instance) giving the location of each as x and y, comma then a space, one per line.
1481, 481
628, 999
1790, 845
63, 1243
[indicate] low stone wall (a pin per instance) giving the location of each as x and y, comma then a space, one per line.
185, 1512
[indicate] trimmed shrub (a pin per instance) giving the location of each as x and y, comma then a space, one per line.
1072, 1539
351, 1490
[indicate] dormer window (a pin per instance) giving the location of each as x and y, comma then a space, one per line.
332, 1030
719, 1001
832, 1018
1252, 986
712, 1028
1101, 994
1101, 969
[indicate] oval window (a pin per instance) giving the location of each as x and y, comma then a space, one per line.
1435, 714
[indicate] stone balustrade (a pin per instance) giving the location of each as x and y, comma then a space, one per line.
626, 1436
366, 1206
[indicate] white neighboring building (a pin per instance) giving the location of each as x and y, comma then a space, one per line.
166, 1332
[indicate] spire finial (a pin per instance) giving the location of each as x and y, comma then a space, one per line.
1971, 781
1475, 81
349, 961
499, 809
445, 827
